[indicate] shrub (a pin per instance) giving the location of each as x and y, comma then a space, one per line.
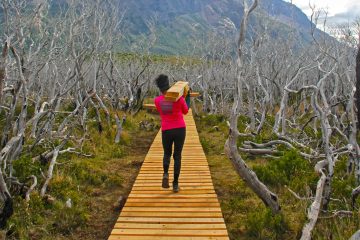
281, 171
24, 167
262, 224
206, 144
213, 119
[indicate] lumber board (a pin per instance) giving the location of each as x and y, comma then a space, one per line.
172, 204
169, 232
176, 91
168, 226
194, 94
152, 212
193, 220
117, 237
150, 106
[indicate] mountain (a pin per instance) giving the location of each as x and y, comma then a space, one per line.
177, 24
181, 26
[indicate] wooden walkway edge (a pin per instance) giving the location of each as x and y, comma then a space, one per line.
152, 212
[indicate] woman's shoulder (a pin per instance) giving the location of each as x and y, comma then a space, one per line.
181, 100
158, 98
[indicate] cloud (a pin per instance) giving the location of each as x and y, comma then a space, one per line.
338, 12
347, 16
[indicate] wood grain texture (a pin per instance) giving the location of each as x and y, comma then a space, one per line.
152, 212
176, 91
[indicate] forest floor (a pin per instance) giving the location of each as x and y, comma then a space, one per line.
245, 215
94, 184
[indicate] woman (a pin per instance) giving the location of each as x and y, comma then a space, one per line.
173, 129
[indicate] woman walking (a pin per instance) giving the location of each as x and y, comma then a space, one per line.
173, 129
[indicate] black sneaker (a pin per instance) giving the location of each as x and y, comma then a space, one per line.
165, 180
176, 187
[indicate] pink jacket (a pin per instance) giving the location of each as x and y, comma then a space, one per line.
171, 113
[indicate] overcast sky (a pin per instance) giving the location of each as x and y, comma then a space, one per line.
339, 11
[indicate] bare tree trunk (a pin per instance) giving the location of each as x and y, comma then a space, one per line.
32, 187
355, 236
3, 69
118, 127
251, 106
357, 93
269, 198
354, 194
265, 104
315, 208
49, 173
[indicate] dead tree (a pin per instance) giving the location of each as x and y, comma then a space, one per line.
50, 69
357, 93
270, 199
3, 62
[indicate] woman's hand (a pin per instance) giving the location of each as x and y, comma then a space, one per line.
186, 91
187, 98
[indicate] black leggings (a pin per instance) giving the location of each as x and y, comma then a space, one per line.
176, 136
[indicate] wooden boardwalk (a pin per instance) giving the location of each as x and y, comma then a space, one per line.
152, 212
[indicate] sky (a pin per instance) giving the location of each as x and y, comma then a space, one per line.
339, 11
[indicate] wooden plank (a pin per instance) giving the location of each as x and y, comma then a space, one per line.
174, 204
194, 94
167, 191
150, 106
173, 200
176, 91
183, 178
183, 174
171, 209
169, 195
169, 232
117, 237
173, 214
217, 226
156, 184
193, 220
158, 188
158, 180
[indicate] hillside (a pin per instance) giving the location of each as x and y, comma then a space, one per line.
178, 24
173, 27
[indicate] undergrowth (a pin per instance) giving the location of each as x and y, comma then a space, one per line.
91, 184
245, 215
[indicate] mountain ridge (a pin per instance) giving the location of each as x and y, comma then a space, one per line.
178, 23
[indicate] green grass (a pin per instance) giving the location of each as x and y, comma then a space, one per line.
93, 185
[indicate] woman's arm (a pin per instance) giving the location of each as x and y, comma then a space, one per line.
157, 105
184, 107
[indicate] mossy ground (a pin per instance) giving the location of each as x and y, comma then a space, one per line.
246, 216
92, 183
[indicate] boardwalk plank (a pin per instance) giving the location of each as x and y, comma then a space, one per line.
117, 237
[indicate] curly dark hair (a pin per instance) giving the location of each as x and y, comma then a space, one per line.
162, 82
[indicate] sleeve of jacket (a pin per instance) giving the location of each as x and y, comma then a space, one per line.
157, 104
184, 107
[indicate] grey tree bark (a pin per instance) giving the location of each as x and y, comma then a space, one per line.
270, 199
